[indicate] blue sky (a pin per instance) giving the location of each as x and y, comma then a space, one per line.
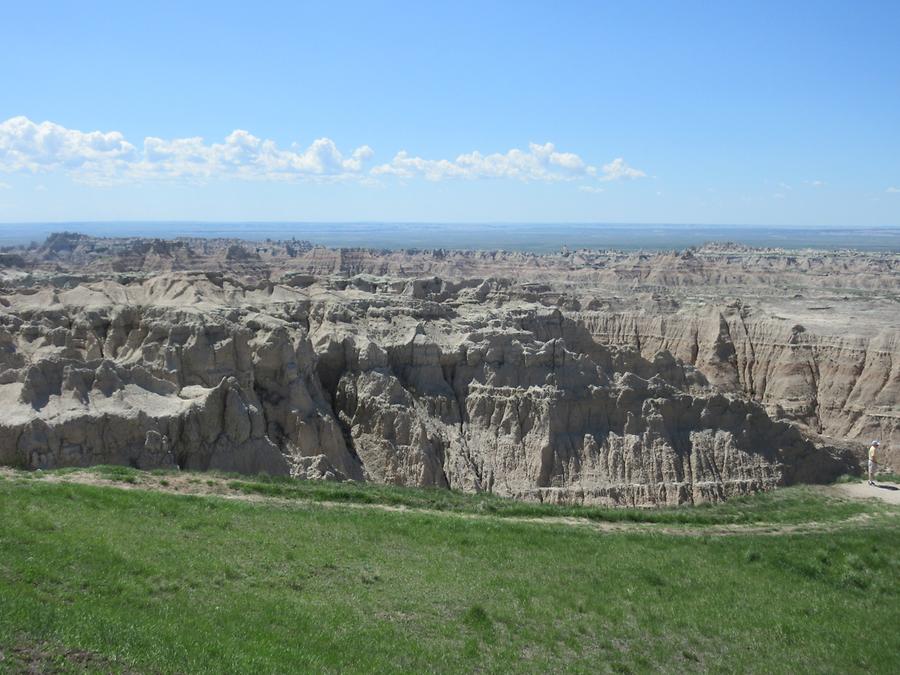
730, 112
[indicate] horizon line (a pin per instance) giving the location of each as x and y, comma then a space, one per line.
439, 222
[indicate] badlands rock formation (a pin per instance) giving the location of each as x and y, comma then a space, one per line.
588, 376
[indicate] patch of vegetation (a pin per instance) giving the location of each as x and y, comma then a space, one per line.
848, 478
882, 477
790, 505
793, 505
47, 657
123, 474
156, 582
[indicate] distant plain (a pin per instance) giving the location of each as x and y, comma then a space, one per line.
530, 237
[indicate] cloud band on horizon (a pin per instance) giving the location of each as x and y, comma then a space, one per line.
106, 158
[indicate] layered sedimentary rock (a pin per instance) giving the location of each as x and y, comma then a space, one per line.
595, 377
157, 387
840, 386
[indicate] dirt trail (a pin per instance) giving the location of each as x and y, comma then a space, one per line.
886, 492
213, 486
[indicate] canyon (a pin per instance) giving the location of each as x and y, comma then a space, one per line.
595, 377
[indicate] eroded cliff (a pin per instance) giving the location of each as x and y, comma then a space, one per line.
593, 377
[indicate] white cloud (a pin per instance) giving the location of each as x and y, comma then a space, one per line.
893, 189
243, 155
98, 157
107, 157
538, 163
617, 169
815, 183
592, 189
27, 146
5, 186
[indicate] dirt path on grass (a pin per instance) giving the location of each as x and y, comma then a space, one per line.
886, 492
213, 486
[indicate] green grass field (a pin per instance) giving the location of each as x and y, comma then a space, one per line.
103, 579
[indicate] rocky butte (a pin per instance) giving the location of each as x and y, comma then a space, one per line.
586, 376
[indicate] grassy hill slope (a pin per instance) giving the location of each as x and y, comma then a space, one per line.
104, 579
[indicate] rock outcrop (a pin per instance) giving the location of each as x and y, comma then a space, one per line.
590, 377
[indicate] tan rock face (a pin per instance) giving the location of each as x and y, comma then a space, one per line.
509, 413
586, 377
844, 387
170, 388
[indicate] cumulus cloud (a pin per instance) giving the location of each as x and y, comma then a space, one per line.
618, 169
107, 157
27, 146
100, 157
244, 155
541, 162
893, 189
5, 186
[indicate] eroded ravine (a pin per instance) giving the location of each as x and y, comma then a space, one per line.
539, 386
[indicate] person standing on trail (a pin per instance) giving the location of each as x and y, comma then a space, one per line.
873, 464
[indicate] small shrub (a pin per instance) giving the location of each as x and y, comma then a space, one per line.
808, 570
855, 579
888, 477
125, 474
476, 618
653, 579
853, 561
689, 656
368, 577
